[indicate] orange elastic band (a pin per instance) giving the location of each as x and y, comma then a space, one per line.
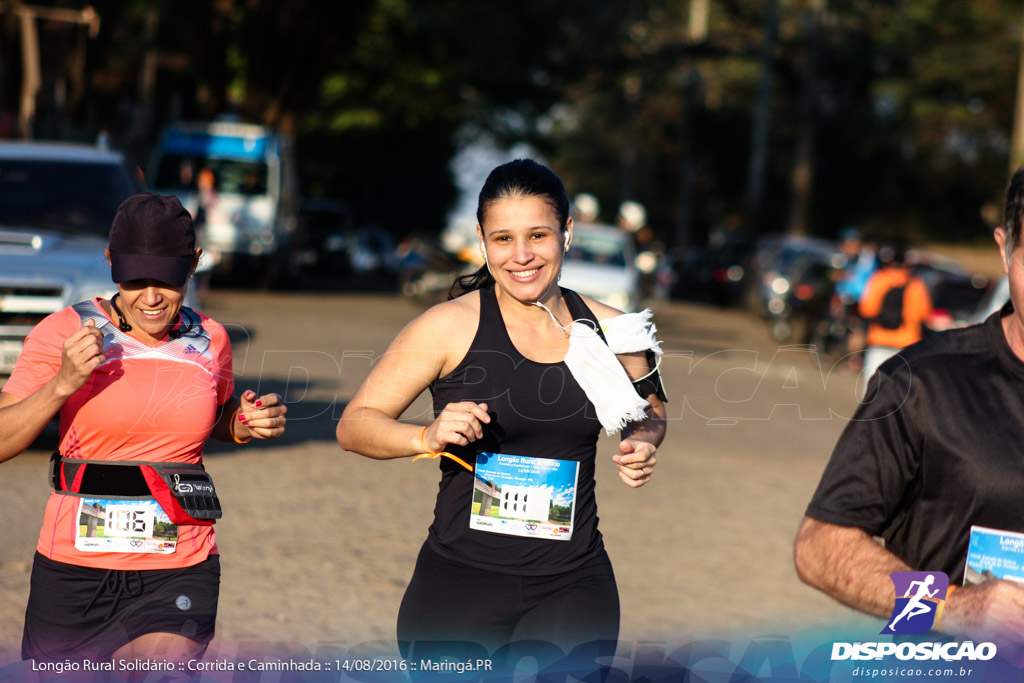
434, 455
231, 427
942, 608
444, 454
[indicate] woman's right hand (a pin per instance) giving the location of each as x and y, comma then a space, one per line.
458, 424
83, 353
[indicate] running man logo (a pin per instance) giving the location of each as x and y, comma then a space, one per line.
919, 598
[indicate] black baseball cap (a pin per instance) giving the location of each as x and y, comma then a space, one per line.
152, 237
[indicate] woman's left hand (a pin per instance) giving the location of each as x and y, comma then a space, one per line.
636, 461
262, 416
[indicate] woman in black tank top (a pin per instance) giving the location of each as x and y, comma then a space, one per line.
514, 553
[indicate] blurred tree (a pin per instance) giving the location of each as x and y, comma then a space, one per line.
911, 102
915, 109
413, 76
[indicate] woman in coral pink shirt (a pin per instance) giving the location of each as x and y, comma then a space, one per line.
126, 564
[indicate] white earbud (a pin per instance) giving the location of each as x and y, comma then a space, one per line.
567, 241
483, 252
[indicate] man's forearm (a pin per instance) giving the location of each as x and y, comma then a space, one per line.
847, 564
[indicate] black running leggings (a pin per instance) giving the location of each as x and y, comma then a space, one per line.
448, 601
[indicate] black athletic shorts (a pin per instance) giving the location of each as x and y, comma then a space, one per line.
447, 601
83, 613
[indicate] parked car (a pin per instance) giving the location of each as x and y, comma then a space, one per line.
714, 274
57, 201
320, 242
672, 273
601, 264
427, 270
956, 293
993, 301
373, 254
800, 296
955, 300
774, 265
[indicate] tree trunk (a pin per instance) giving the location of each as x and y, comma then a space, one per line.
802, 178
762, 119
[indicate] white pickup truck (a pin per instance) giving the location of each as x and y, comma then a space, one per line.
57, 201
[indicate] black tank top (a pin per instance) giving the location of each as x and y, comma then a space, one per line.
537, 410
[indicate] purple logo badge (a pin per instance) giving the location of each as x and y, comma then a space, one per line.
919, 596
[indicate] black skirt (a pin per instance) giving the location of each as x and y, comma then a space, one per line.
81, 613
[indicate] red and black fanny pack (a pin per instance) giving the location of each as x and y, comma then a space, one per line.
184, 491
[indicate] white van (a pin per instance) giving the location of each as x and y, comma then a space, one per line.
240, 183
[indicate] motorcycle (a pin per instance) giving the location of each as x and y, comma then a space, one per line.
797, 303
426, 272
831, 336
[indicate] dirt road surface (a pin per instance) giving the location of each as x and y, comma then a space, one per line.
318, 544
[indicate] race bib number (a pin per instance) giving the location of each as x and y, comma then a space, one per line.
522, 496
994, 554
124, 526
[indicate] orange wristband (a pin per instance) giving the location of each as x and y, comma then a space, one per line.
427, 453
942, 608
231, 427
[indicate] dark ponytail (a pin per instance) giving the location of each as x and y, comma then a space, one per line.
464, 284
517, 179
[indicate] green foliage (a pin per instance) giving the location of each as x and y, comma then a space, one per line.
165, 530
912, 101
561, 514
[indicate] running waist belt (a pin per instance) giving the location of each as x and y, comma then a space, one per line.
184, 491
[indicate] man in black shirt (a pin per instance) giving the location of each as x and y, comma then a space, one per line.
932, 453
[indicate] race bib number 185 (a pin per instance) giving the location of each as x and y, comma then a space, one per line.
124, 526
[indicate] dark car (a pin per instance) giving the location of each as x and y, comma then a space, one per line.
320, 243
956, 295
778, 266
799, 298
997, 296
715, 274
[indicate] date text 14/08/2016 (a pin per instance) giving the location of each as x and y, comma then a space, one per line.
458, 667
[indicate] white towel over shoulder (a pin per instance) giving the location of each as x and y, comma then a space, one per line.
631, 332
599, 373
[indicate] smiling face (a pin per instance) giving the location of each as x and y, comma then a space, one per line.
150, 307
524, 245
